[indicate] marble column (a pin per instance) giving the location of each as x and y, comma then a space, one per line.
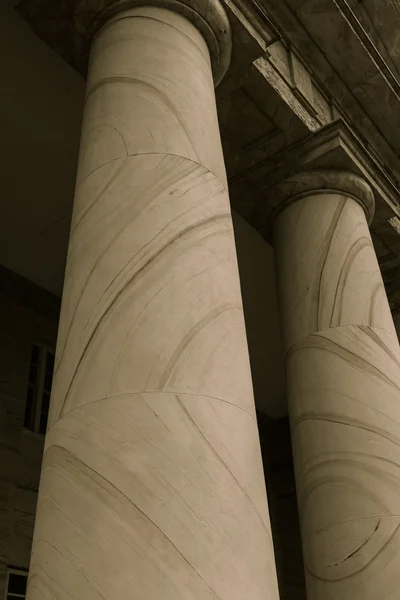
343, 375
152, 484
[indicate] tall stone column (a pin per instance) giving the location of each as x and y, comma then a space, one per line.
343, 375
152, 485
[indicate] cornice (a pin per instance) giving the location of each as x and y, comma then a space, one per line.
352, 57
372, 106
255, 20
282, 66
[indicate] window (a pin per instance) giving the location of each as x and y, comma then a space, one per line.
16, 584
39, 388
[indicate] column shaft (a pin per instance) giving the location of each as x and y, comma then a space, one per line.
343, 374
152, 483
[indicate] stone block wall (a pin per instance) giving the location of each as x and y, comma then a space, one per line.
27, 315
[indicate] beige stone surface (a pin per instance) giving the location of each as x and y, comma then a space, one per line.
152, 483
343, 377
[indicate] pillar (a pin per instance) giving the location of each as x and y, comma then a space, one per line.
152, 484
343, 376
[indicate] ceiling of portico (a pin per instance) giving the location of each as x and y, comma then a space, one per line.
40, 113
381, 21
345, 43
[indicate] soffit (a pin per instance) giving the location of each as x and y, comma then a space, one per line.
380, 20
343, 31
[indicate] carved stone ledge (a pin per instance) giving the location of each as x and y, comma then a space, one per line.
288, 74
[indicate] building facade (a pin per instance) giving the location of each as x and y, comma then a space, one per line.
233, 237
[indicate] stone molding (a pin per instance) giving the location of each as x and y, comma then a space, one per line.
323, 181
282, 67
255, 21
286, 71
208, 16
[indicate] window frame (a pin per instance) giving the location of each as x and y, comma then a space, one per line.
45, 349
15, 571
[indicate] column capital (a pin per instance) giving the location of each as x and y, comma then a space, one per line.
323, 181
208, 16
333, 158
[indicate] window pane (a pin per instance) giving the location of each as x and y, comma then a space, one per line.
35, 355
44, 412
45, 403
33, 374
30, 394
50, 362
40, 382
43, 422
29, 407
17, 583
48, 378
28, 417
